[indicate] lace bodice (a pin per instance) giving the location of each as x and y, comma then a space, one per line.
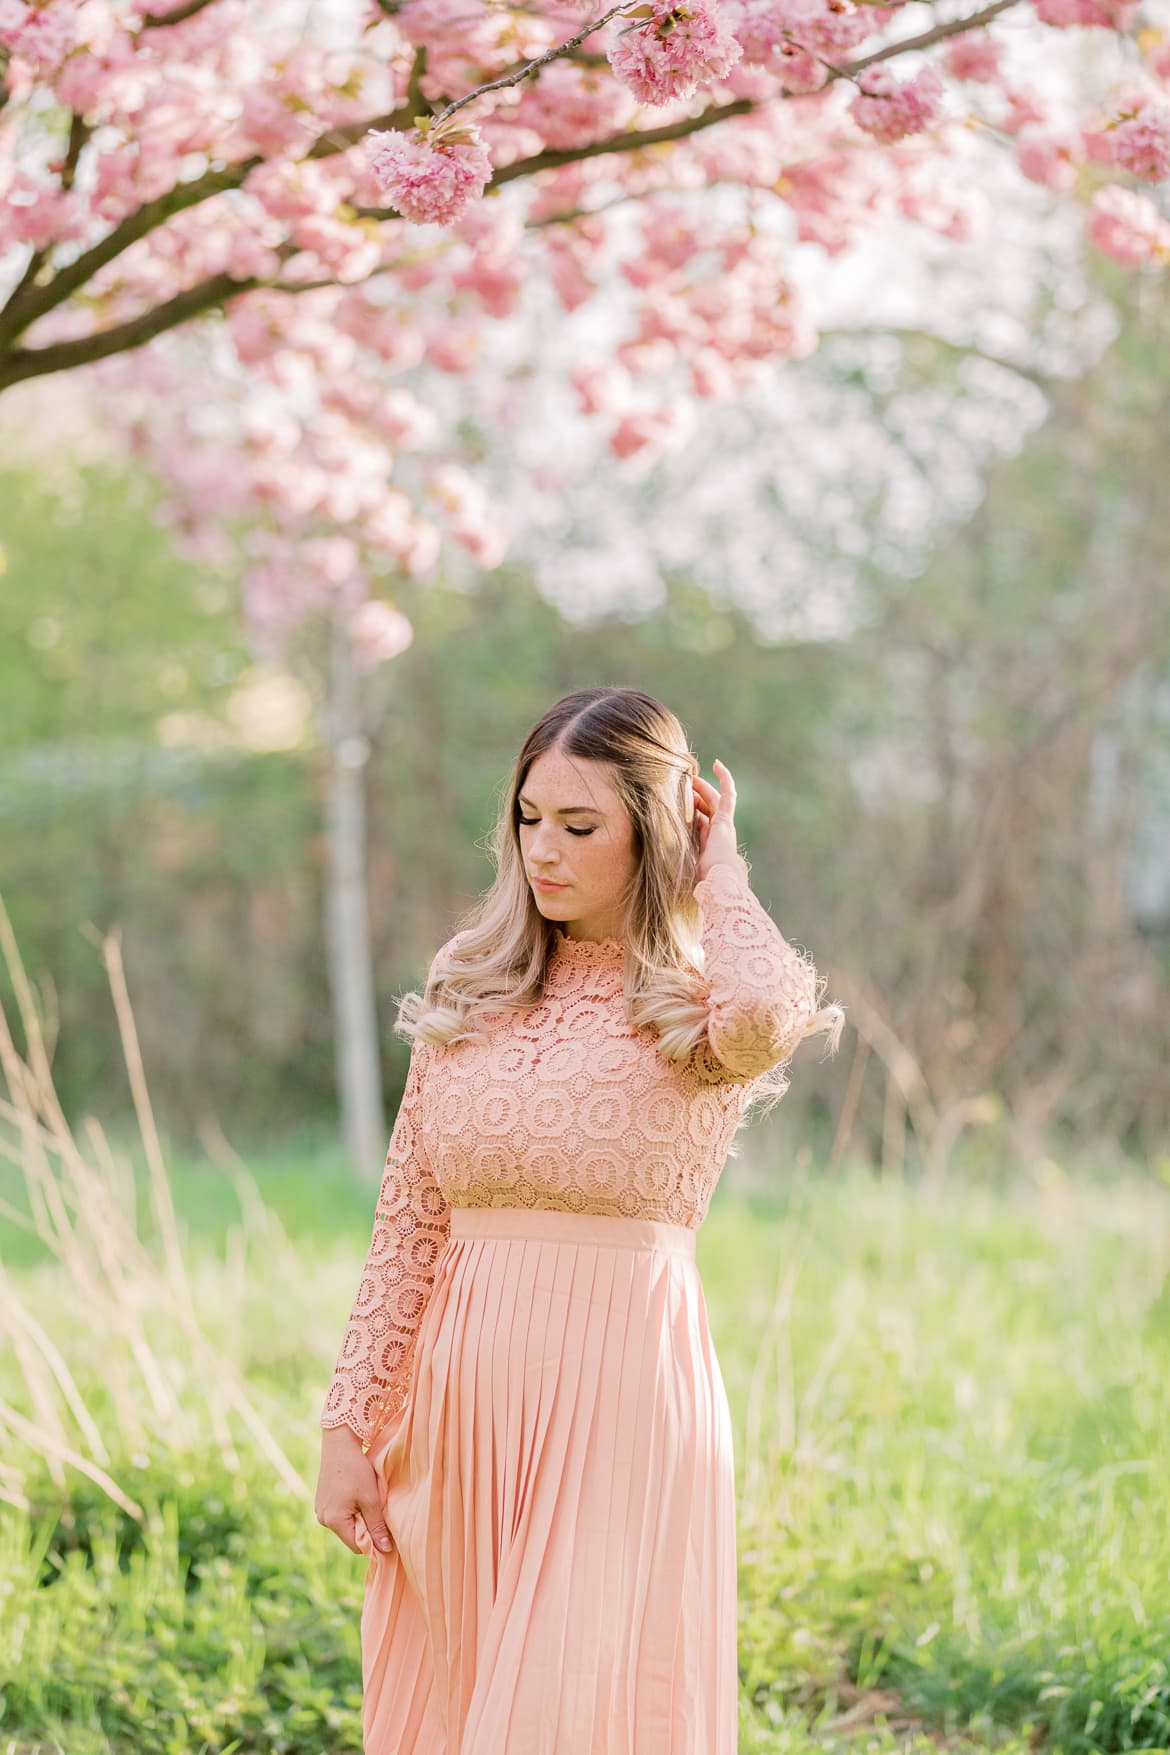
566, 1105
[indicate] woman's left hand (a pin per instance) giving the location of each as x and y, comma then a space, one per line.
715, 816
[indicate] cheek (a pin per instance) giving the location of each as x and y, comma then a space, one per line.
610, 860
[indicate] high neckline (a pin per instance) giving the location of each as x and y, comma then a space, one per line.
587, 950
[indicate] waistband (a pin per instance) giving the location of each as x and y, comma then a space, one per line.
548, 1225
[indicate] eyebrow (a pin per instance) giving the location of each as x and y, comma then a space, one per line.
569, 810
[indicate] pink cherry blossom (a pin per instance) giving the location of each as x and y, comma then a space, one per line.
1097, 146
889, 108
454, 346
1022, 112
1050, 159
1128, 227
676, 51
975, 57
1109, 14
961, 212
378, 632
467, 40
307, 182
332, 559
291, 191
568, 273
40, 213
800, 33
825, 192
472, 523
430, 181
40, 36
601, 385
275, 120
799, 70
570, 106
637, 430
1141, 145
337, 247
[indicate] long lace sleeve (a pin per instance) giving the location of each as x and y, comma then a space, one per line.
761, 990
411, 1225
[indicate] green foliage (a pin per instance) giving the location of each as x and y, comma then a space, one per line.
212, 862
102, 627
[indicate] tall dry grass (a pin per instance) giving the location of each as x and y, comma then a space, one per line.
129, 1319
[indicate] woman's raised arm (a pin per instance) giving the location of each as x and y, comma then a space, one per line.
762, 991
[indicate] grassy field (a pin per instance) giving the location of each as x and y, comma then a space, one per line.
952, 1439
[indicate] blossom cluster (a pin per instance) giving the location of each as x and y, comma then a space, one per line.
282, 178
674, 50
889, 108
434, 178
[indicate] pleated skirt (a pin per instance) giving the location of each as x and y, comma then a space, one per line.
560, 1492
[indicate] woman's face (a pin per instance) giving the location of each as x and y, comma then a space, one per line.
575, 830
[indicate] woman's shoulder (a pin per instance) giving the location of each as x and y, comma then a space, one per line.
447, 948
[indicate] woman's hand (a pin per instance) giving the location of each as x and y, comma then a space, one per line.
346, 1486
715, 818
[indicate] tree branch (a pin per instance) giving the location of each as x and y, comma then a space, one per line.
24, 307
526, 68
936, 34
39, 362
28, 302
157, 20
632, 141
968, 350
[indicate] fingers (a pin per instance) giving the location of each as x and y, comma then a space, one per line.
351, 1532
709, 798
361, 1527
725, 780
375, 1523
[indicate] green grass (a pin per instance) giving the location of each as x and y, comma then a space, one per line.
952, 1448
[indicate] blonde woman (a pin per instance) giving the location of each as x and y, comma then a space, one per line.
527, 1431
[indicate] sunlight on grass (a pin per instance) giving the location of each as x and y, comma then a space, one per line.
952, 1454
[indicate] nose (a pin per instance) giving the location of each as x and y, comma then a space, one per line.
544, 865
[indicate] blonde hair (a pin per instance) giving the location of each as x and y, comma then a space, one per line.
497, 959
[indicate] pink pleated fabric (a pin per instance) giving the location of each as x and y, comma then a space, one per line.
560, 1490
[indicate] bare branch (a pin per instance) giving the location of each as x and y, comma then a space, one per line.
936, 34
632, 141
23, 310
33, 303
79, 133
415, 100
157, 20
964, 350
41, 362
527, 68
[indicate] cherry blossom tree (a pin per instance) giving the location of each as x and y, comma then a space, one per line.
341, 208
251, 237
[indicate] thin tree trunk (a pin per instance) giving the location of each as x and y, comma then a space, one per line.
351, 976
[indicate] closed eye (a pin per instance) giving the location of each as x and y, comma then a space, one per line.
528, 821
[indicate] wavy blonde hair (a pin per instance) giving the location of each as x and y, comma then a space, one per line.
497, 959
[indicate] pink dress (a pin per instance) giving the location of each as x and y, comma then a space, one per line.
529, 1364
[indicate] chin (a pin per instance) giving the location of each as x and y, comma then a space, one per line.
555, 906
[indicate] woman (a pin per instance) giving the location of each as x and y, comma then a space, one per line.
527, 1431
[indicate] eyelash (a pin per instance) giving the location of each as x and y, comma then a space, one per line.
529, 820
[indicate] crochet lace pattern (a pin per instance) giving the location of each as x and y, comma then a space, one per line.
567, 1106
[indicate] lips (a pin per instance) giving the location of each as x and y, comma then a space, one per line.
548, 884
